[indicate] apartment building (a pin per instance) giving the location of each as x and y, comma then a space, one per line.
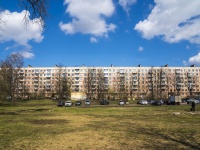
110, 82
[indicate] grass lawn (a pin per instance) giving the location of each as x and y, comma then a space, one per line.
40, 124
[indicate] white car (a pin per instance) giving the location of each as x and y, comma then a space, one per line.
143, 102
87, 102
121, 102
68, 103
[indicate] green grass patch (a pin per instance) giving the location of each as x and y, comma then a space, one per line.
40, 124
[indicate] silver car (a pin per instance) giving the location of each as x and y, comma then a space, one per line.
68, 103
143, 102
87, 102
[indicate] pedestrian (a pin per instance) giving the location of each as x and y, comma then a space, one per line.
193, 106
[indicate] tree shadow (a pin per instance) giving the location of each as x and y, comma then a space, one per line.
19, 112
9, 113
187, 140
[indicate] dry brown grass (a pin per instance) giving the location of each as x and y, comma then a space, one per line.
45, 126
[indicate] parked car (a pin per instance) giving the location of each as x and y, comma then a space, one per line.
68, 104
104, 102
156, 103
60, 104
184, 100
162, 102
78, 103
87, 102
150, 101
189, 101
143, 102
121, 102
197, 101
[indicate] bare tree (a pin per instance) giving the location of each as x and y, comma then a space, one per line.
3, 86
134, 84
89, 82
10, 69
191, 83
62, 84
65, 85
122, 86
58, 80
151, 81
36, 8
100, 84
162, 83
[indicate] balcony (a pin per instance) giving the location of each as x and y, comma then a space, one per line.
122, 74
190, 75
105, 75
76, 83
48, 88
20, 88
163, 88
76, 70
76, 89
135, 83
163, 83
134, 87
163, 76
76, 74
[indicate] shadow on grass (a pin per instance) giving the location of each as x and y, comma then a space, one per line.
18, 112
186, 140
9, 113
35, 109
6, 104
49, 121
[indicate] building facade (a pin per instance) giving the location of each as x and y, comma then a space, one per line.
110, 82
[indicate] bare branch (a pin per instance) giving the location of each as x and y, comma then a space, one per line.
35, 9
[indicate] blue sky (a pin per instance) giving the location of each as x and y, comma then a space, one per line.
105, 32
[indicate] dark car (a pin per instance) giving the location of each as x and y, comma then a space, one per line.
150, 102
104, 102
78, 103
61, 103
156, 103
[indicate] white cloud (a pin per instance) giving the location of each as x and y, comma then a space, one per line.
88, 17
126, 4
14, 28
193, 60
140, 49
173, 20
26, 54
93, 40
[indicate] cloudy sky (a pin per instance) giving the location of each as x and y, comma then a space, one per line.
105, 32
